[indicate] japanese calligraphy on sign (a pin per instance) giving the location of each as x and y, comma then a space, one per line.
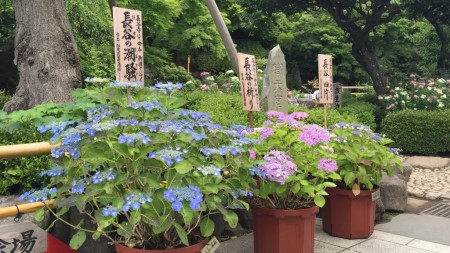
249, 82
326, 79
337, 95
129, 53
211, 246
22, 238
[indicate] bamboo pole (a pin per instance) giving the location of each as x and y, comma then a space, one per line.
22, 150
24, 208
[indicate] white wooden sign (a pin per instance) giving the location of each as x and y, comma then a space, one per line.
326, 88
128, 47
249, 82
23, 237
211, 246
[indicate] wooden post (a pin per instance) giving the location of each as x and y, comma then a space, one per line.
250, 116
189, 63
23, 150
224, 33
325, 116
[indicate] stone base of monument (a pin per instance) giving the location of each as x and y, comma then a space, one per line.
394, 192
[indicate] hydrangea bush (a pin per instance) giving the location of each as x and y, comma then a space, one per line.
295, 164
147, 172
418, 95
362, 156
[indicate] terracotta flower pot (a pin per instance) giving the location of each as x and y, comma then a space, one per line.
348, 216
284, 231
196, 248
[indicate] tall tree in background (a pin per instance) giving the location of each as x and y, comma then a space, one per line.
357, 18
45, 54
437, 12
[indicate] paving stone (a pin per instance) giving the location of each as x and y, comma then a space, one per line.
378, 246
336, 241
428, 162
321, 247
380, 235
431, 246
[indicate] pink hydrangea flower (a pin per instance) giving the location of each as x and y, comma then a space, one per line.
252, 154
329, 165
314, 134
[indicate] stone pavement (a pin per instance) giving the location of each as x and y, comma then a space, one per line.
379, 242
430, 178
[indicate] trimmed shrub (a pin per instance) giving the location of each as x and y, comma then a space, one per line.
363, 111
419, 132
333, 116
225, 108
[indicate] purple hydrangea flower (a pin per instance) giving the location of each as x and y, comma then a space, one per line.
329, 165
266, 132
314, 134
278, 167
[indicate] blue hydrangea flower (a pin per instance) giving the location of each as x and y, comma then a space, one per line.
133, 138
110, 211
176, 195
135, 200
53, 172
39, 195
241, 193
209, 170
99, 177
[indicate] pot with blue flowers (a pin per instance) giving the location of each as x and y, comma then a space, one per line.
295, 166
363, 157
147, 173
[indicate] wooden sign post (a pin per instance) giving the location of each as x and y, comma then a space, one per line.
128, 49
28, 237
249, 85
325, 66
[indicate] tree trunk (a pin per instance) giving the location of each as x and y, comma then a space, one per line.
444, 42
45, 54
364, 54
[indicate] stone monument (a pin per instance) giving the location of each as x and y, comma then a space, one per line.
274, 92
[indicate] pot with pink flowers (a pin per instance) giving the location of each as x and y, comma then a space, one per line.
294, 167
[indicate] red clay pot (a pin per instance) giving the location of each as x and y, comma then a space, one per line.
196, 248
284, 231
348, 216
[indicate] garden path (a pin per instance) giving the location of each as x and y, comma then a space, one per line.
430, 178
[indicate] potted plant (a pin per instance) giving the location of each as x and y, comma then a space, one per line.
146, 172
294, 167
362, 158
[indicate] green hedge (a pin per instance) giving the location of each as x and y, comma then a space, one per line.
364, 111
333, 116
225, 108
419, 132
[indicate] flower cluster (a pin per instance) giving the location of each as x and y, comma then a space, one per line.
210, 170
146, 167
418, 95
241, 193
134, 201
295, 162
314, 134
179, 194
278, 166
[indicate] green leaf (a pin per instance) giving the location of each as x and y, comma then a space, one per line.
77, 240
231, 217
349, 178
211, 188
135, 216
206, 227
181, 233
183, 167
39, 214
319, 200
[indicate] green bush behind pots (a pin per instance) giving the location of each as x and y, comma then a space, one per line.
419, 132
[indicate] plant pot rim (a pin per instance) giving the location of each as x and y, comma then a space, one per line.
134, 250
283, 212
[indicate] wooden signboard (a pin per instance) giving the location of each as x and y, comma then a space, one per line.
249, 82
128, 47
326, 79
337, 95
23, 237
